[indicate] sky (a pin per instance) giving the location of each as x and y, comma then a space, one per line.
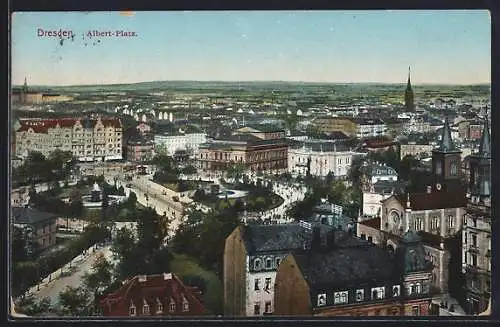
442, 47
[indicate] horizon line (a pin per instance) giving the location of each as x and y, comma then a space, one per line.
252, 81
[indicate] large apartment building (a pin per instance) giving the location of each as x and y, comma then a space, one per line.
476, 234
98, 139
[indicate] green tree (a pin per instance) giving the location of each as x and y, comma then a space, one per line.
75, 301
98, 280
30, 307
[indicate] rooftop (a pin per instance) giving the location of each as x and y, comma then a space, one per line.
23, 215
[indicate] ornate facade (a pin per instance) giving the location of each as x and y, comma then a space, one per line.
476, 238
88, 139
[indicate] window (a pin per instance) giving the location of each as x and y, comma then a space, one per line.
473, 259
321, 300
132, 310
185, 306
360, 295
473, 239
267, 285
451, 221
474, 222
159, 306
256, 264
370, 239
256, 308
171, 307
378, 293
268, 263
257, 284
145, 308
434, 222
267, 308
418, 224
396, 290
415, 311
278, 260
363, 236
341, 297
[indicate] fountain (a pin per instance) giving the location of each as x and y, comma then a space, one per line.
95, 194
94, 200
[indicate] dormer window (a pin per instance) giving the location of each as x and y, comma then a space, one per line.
341, 297
131, 309
171, 307
268, 263
278, 260
378, 293
256, 264
396, 290
321, 300
145, 308
360, 295
159, 306
185, 306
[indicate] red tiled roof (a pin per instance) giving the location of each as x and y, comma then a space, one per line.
373, 223
434, 200
43, 125
161, 287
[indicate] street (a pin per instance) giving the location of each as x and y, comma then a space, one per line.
74, 279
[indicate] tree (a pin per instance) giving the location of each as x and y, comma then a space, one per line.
29, 306
99, 279
74, 301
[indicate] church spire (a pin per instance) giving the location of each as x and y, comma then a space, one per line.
446, 140
485, 147
25, 86
408, 84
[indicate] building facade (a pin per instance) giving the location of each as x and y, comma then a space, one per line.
252, 254
41, 226
187, 142
88, 139
26, 97
139, 150
153, 295
252, 152
345, 276
415, 149
476, 238
320, 159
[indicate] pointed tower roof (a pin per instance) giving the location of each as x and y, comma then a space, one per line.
408, 85
485, 147
25, 86
446, 144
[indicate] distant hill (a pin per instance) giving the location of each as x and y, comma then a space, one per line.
279, 86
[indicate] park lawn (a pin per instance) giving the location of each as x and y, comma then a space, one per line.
182, 265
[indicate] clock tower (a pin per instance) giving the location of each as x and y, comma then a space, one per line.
446, 163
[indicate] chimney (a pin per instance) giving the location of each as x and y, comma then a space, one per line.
429, 189
316, 238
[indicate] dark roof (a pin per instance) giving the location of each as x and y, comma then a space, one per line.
350, 262
446, 144
434, 200
266, 128
336, 135
373, 223
324, 146
23, 215
485, 146
277, 238
384, 187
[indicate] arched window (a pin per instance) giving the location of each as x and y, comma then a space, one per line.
370, 239
268, 263
363, 236
256, 264
321, 300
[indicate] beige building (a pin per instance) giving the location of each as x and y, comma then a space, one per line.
415, 149
88, 139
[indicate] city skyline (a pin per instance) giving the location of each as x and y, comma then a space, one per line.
442, 47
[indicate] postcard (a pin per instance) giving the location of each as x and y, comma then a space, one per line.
222, 164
